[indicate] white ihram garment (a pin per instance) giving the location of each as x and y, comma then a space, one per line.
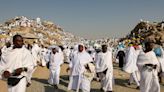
42, 56
67, 55
35, 52
104, 61
55, 62
131, 59
149, 77
14, 59
77, 66
131, 65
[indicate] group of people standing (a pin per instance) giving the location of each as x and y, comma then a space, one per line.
144, 64
81, 63
19, 61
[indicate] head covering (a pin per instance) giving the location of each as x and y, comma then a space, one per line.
81, 45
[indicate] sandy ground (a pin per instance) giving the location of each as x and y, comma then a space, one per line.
40, 76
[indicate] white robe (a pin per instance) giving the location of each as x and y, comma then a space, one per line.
131, 59
47, 56
5, 51
55, 62
61, 55
14, 59
135, 76
67, 54
77, 65
149, 77
35, 52
42, 56
103, 61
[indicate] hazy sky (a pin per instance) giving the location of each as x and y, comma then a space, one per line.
87, 18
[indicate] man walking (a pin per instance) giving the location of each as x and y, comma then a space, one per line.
56, 60
16, 65
104, 68
148, 65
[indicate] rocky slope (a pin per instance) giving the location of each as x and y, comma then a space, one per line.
145, 30
46, 32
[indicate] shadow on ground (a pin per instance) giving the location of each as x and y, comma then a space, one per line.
124, 83
52, 89
44, 81
96, 90
121, 82
49, 88
64, 77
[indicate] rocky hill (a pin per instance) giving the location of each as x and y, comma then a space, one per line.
46, 32
145, 30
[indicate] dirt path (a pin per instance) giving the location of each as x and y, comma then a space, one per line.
39, 82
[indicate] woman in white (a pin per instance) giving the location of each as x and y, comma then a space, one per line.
77, 68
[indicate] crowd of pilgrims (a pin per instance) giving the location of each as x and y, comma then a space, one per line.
144, 63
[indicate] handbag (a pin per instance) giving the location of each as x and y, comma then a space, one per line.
11, 81
89, 73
